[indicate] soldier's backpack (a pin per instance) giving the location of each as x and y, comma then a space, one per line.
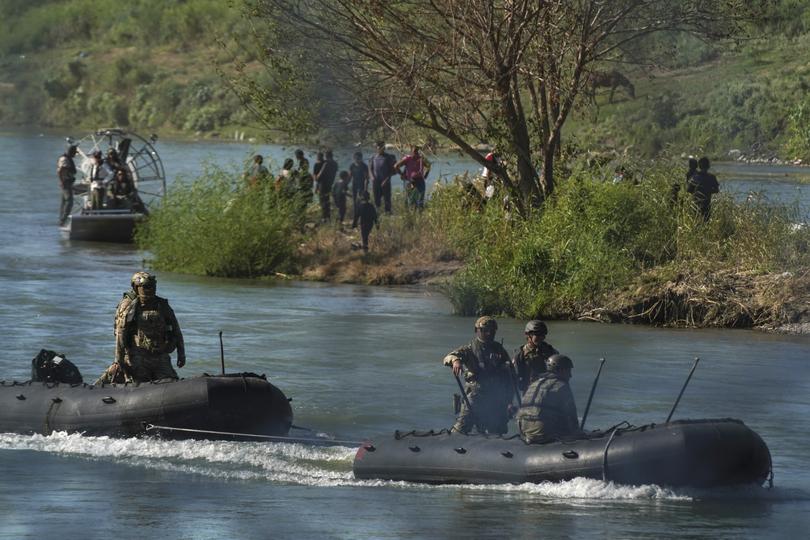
49, 366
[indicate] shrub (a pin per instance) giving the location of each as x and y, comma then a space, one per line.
212, 226
593, 237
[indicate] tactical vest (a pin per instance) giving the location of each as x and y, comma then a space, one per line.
546, 405
150, 328
486, 360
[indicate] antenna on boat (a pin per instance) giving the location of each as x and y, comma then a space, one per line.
590, 397
697, 359
221, 353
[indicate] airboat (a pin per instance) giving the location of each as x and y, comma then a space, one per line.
114, 218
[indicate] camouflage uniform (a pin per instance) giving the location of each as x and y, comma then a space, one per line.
487, 384
145, 335
547, 410
530, 363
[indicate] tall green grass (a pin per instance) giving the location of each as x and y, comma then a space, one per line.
216, 226
594, 237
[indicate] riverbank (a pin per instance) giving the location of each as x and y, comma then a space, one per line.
597, 250
770, 302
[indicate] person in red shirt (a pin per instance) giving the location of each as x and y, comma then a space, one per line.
417, 168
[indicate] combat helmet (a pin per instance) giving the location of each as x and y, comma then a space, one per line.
536, 327
486, 322
558, 362
140, 279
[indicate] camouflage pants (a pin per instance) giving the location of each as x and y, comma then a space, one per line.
146, 367
489, 409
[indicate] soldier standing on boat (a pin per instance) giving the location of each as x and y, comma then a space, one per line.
147, 332
530, 359
66, 171
547, 410
488, 385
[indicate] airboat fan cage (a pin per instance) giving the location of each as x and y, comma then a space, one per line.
136, 152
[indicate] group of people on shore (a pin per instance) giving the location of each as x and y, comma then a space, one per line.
110, 182
359, 182
536, 378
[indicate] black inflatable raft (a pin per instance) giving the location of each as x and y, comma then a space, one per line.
240, 403
697, 453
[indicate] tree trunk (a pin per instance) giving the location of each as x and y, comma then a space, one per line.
549, 153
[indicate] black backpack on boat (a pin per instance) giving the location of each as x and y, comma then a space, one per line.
49, 366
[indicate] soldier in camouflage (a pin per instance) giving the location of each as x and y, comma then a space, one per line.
488, 385
547, 410
530, 359
146, 333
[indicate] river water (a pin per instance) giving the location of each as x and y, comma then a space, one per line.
358, 362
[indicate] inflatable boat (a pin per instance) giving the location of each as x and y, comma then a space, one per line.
199, 407
694, 453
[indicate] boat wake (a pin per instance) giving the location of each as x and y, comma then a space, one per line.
302, 464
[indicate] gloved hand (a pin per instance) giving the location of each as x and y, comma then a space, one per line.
181, 360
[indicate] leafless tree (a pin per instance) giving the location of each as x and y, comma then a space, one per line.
484, 70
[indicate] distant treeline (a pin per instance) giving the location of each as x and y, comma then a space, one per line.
31, 25
153, 64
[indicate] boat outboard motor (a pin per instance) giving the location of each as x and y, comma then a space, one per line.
49, 366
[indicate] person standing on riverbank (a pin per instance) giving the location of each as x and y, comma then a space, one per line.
66, 172
530, 359
360, 177
367, 217
488, 386
702, 186
258, 173
324, 180
382, 169
339, 191
417, 168
304, 177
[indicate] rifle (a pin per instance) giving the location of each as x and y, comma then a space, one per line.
590, 397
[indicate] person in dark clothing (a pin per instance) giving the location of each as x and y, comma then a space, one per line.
303, 177
530, 359
693, 167
360, 177
382, 169
324, 180
339, 191
702, 186
367, 217
66, 171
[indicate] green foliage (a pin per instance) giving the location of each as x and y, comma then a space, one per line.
28, 26
214, 226
594, 237
798, 143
